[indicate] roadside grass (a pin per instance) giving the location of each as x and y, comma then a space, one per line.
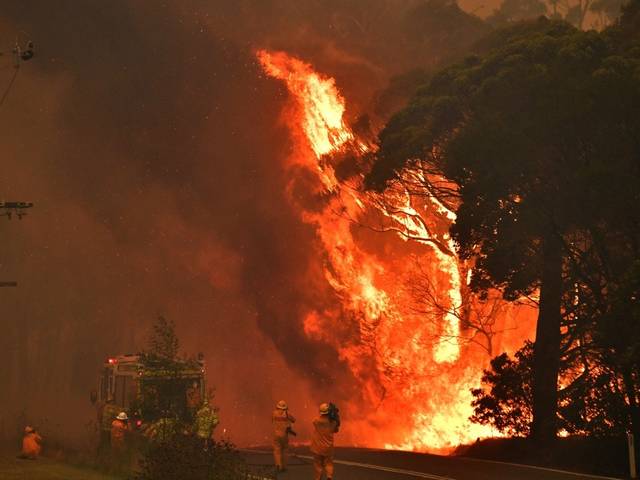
46, 469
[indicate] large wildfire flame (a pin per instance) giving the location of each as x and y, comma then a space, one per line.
404, 292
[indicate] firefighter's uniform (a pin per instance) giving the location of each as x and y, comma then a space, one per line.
281, 420
322, 446
119, 429
107, 414
205, 423
162, 430
31, 444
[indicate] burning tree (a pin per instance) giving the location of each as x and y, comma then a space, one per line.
528, 132
414, 366
419, 205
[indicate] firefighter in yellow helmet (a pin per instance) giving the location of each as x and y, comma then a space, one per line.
205, 423
324, 427
282, 421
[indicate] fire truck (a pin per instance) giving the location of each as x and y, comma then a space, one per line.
147, 390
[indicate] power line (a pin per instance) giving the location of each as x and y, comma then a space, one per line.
8, 89
19, 56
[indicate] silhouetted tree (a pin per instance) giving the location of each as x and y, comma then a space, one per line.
572, 11
505, 401
439, 31
538, 133
590, 401
516, 10
163, 342
183, 457
166, 382
607, 11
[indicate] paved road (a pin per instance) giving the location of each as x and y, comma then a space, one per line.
351, 464
362, 464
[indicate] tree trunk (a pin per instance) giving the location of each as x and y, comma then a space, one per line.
634, 409
547, 345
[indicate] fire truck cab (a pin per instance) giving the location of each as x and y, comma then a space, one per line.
146, 392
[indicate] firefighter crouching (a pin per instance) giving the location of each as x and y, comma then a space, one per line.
31, 444
205, 423
282, 421
324, 427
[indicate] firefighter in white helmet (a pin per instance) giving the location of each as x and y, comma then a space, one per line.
282, 421
119, 429
107, 414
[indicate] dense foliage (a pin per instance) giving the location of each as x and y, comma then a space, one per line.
581, 13
506, 400
590, 403
184, 458
173, 448
163, 393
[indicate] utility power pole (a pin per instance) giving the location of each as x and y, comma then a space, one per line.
17, 209
632, 455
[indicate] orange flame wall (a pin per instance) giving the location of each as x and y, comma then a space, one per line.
414, 362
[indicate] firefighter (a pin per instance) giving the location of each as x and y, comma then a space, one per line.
31, 444
282, 421
194, 399
163, 429
107, 414
119, 429
322, 442
205, 423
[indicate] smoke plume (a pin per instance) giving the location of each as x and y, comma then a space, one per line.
151, 143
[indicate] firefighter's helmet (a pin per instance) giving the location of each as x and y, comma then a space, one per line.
282, 405
324, 408
122, 416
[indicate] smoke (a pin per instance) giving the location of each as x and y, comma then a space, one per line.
150, 142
